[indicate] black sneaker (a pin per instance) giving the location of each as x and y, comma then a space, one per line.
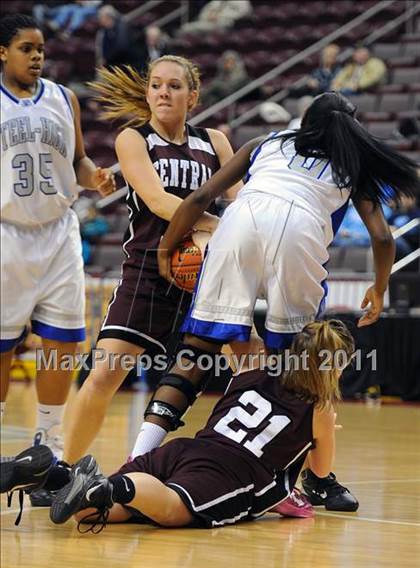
88, 488
27, 470
42, 497
328, 492
58, 476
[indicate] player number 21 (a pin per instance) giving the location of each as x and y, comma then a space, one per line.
24, 163
254, 411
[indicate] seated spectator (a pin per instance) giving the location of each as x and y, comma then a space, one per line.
363, 73
155, 45
115, 44
231, 76
322, 76
353, 233
65, 19
402, 213
302, 105
218, 14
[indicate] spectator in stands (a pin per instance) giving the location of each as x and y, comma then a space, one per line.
363, 73
218, 14
401, 214
115, 44
322, 76
230, 77
66, 18
353, 232
303, 104
154, 46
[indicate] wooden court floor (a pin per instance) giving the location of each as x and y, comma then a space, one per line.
378, 457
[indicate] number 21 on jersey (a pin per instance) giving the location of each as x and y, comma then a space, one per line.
251, 418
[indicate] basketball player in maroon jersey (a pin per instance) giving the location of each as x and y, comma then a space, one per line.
163, 159
243, 463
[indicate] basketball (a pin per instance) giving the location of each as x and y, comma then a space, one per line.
186, 264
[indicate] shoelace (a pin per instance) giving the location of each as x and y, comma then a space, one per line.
97, 521
21, 495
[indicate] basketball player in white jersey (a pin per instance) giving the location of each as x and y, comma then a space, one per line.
42, 162
272, 241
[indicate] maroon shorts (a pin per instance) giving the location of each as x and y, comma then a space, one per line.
144, 310
218, 485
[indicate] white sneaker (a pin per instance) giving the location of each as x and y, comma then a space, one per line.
51, 438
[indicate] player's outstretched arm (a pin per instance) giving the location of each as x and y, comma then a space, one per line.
195, 204
87, 174
383, 246
321, 458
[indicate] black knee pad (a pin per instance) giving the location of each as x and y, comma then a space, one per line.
180, 383
165, 410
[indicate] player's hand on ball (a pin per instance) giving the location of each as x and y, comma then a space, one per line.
374, 302
104, 181
200, 239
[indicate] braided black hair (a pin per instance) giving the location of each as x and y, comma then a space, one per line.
11, 24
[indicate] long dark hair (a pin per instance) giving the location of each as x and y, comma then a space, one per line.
11, 24
359, 161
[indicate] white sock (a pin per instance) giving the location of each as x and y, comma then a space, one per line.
150, 437
49, 415
2, 409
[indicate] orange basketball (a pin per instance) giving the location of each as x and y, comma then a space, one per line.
186, 264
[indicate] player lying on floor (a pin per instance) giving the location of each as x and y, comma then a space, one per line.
243, 463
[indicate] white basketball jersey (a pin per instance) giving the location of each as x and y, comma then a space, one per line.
38, 181
307, 182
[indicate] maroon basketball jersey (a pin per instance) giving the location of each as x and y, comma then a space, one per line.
182, 168
258, 416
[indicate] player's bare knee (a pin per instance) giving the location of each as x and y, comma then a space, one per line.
175, 514
103, 382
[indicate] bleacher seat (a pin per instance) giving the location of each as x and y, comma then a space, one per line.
391, 102
365, 102
412, 48
246, 133
383, 130
406, 75
386, 50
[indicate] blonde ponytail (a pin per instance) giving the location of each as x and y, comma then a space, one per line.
122, 90
328, 346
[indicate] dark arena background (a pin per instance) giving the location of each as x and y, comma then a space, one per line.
261, 64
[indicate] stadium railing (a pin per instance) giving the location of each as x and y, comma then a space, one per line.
411, 11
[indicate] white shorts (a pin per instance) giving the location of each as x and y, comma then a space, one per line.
42, 281
265, 247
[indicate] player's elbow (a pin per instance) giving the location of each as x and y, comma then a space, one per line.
158, 207
384, 240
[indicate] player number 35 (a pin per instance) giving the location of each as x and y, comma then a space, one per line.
24, 164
